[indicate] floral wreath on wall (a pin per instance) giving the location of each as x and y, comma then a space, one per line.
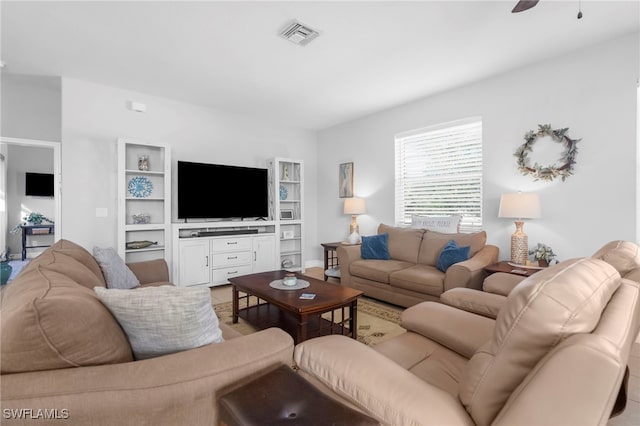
562, 168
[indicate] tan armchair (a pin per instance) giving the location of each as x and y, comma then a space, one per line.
624, 256
556, 354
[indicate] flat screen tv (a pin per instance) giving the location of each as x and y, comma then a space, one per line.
216, 191
38, 184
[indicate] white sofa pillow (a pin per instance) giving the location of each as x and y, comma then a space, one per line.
163, 320
444, 224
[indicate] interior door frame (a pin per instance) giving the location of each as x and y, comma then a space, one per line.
57, 173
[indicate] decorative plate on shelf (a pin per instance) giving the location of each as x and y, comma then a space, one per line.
283, 193
140, 187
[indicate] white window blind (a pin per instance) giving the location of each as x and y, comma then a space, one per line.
439, 173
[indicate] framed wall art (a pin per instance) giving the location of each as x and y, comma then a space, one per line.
286, 214
345, 180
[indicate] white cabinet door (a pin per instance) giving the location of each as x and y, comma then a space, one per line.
264, 253
194, 262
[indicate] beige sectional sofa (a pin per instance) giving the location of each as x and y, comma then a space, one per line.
556, 354
62, 351
411, 276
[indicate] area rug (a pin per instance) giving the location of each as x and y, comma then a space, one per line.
377, 321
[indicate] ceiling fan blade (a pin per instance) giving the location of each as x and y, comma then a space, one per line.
524, 5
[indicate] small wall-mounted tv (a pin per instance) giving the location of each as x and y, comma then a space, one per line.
38, 184
217, 191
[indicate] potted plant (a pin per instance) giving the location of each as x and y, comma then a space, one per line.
5, 268
543, 254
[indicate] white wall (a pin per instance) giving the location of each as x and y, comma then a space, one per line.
31, 107
94, 116
592, 91
20, 160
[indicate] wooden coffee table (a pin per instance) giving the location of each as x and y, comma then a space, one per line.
263, 306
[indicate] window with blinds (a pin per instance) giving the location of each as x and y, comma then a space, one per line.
439, 173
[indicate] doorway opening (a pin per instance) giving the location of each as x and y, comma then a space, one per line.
19, 157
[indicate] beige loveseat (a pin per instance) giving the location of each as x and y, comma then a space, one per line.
411, 275
556, 354
64, 356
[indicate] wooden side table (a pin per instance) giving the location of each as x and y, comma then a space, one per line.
504, 266
331, 265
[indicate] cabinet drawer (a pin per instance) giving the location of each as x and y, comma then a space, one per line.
222, 260
231, 244
222, 275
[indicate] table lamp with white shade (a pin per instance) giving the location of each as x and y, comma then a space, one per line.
519, 206
354, 206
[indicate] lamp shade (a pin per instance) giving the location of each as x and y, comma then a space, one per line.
520, 205
354, 206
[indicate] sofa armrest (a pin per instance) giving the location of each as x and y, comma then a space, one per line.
346, 255
474, 301
180, 388
150, 271
501, 283
377, 385
461, 331
471, 273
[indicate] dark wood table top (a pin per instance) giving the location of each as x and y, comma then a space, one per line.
337, 244
328, 295
504, 266
332, 246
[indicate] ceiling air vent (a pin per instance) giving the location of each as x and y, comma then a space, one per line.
299, 33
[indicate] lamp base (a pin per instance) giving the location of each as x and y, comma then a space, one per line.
353, 226
354, 238
519, 245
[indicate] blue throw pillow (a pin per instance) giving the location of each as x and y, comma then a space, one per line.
451, 254
375, 247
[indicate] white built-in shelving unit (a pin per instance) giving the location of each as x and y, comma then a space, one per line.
286, 207
145, 192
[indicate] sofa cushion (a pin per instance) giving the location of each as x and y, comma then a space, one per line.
434, 242
446, 224
546, 308
163, 320
450, 254
50, 322
622, 255
461, 331
116, 272
80, 254
377, 270
430, 361
375, 247
404, 243
52, 260
419, 278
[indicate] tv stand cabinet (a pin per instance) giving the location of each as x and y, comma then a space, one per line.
209, 253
